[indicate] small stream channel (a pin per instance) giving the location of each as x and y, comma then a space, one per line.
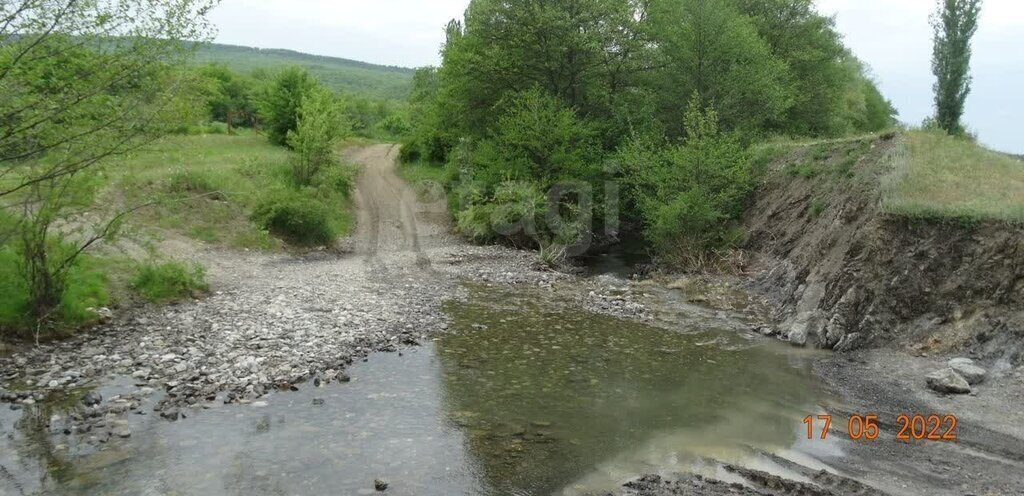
519, 397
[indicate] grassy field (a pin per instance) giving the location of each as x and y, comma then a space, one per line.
344, 75
936, 176
208, 187
211, 188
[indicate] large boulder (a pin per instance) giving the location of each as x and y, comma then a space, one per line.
968, 370
948, 381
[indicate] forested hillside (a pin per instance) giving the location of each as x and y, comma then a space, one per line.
349, 76
647, 109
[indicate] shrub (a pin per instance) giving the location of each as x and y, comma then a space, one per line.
85, 287
279, 104
169, 281
195, 182
689, 196
692, 223
297, 219
319, 123
339, 178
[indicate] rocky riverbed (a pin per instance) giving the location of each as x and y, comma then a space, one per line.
275, 322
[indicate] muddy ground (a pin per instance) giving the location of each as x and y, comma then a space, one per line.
280, 321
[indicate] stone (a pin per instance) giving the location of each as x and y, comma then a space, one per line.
318, 401
966, 368
849, 343
92, 398
171, 414
798, 336
948, 381
380, 484
121, 431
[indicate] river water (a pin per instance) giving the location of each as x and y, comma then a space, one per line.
519, 397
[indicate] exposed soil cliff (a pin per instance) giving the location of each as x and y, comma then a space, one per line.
843, 274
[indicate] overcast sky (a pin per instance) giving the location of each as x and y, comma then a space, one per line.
892, 36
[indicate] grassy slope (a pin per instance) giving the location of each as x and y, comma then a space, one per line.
941, 177
339, 74
931, 175
209, 185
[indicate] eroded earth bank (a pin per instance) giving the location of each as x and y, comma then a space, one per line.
505, 378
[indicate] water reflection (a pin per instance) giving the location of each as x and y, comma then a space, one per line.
548, 397
520, 398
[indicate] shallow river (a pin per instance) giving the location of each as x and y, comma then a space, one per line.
518, 398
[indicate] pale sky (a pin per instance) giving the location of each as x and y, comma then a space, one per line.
892, 36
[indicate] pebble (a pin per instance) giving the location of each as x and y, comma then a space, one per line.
248, 340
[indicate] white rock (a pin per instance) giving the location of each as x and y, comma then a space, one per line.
968, 370
948, 381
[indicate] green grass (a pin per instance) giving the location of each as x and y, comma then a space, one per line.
87, 287
209, 186
938, 176
806, 170
348, 76
162, 282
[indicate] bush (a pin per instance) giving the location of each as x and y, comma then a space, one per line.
319, 124
689, 196
279, 104
84, 288
297, 219
169, 281
194, 182
692, 223
338, 178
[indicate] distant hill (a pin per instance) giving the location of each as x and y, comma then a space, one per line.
343, 75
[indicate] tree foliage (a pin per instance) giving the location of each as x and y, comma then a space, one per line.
545, 92
280, 101
955, 22
82, 82
690, 194
319, 123
230, 95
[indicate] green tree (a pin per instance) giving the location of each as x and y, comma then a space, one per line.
82, 82
689, 195
714, 51
538, 144
582, 52
230, 95
955, 22
279, 104
319, 123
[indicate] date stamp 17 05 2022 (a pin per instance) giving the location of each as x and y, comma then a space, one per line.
914, 427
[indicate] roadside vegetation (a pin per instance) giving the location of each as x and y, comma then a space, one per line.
629, 119
93, 168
